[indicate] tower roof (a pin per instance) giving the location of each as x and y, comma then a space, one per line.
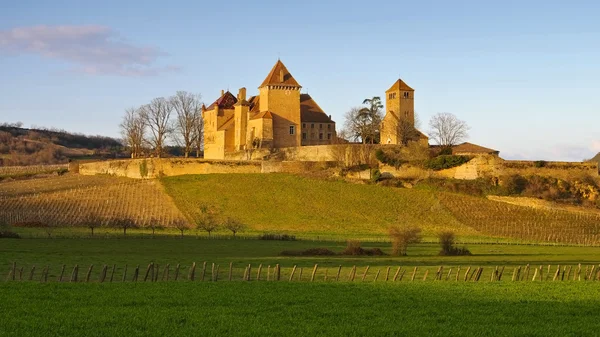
400, 85
279, 75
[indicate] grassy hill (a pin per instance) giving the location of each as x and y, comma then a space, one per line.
291, 204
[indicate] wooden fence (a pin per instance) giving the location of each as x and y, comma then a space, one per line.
213, 273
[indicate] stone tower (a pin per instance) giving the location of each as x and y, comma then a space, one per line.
280, 95
399, 107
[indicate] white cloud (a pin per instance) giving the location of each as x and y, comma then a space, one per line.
95, 50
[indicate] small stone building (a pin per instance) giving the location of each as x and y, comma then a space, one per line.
278, 117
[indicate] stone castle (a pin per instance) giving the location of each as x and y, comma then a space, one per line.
282, 117
278, 117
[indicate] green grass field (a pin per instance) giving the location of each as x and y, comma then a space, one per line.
165, 250
294, 309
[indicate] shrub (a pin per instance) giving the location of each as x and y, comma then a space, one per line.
7, 233
445, 162
446, 151
375, 175
391, 160
277, 237
402, 237
353, 248
447, 240
308, 252
539, 163
514, 184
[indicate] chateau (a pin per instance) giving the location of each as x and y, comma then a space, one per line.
278, 117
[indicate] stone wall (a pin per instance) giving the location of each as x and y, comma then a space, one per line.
153, 168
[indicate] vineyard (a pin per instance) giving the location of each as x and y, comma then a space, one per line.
523, 223
64, 201
7, 171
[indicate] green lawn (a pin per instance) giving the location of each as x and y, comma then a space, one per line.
295, 309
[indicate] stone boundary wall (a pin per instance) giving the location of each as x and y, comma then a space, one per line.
154, 167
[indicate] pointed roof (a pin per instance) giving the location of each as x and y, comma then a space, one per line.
400, 85
310, 111
274, 77
226, 101
264, 114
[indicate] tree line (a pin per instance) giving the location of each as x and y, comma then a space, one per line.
146, 129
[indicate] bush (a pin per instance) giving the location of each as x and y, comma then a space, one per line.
447, 240
308, 252
446, 151
445, 162
402, 237
390, 160
375, 175
277, 237
353, 248
7, 233
539, 163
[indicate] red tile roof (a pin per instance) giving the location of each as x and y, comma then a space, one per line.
227, 101
311, 112
274, 77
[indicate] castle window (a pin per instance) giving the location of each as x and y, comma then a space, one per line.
321, 135
304, 125
303, 135
329, 136
292, 129
328, 126
312, 126
320, 126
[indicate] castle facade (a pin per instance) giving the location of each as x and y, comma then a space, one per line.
278, 117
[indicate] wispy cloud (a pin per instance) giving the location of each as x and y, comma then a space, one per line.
95, 50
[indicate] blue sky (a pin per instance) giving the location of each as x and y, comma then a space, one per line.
524, 74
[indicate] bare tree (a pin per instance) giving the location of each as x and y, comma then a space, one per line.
181, 225
358, 125
92, 221
207, 222
199, 145
133, 128
447, 130
156, 116
407, 131
234, 225
402, 237
187, 107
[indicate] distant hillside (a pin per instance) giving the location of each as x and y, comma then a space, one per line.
21, 146
596, 158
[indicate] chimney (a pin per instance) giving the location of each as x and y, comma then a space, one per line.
242, 94
222, 93
281, 75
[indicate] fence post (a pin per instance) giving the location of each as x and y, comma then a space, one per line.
14, 270
103, 274
448, 275
426, 273
414, 274
258, 272
230, 270
278, 272
112, 272
396, 274
387, 274
467, 273
337, 276
268, 273
124, 274
192, 272
45, 274
457, 273
31, 273
62, 272
203, 271
147, 272
89, 273
167, 271
312, 278
534, 275
212, 273
365, 274
136, 273
292, 274
501, 273
402, 275
249, 272
377, 275
177, 272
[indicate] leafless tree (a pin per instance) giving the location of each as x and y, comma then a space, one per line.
187, 107
133, 128
157, 116
181, 225
402, 237
360, 126
207, 222
447, 130
234, 225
